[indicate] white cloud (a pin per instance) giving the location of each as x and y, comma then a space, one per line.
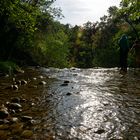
81, 11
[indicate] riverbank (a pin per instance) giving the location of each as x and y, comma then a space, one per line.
20, 104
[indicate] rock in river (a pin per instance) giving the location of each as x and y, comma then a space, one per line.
23, 82
42, 83
27, 134
26, 118
15, 106
3, 113
15, 100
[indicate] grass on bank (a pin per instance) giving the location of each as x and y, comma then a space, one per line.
9, 67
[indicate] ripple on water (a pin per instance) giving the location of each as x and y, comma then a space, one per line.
96, 104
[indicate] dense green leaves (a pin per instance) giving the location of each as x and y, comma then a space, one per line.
30, 35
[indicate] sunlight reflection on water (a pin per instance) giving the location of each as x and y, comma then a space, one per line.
102, 104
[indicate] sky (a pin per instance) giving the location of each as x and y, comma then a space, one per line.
78, 12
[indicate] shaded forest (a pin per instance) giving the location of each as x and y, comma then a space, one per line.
30, 35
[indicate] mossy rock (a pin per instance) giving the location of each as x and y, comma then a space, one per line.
27, 134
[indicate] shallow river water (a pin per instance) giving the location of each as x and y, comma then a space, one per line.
87, 104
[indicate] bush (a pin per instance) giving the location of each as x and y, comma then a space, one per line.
9, 67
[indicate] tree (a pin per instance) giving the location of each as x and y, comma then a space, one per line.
130, 13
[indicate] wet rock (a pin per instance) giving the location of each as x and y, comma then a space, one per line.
13, 79
18, 82
9, 87
23, 82
14, 106
18, 71
7, 75
68, 94
15, 100
22, 100
32, 104
100, 131
14, 120
77, 93
31, 122
3, 121
34, 78
26, 118
42, 83
41, 77
27, 134
15, 87
3, 113
12, 111
64, 84
37, 67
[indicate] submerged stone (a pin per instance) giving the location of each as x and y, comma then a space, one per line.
15, 87
3, 113
27, 134
26, 118
14, 106
42, 83
100, 131
15, 100
68, 94
66, 81
23, 82
64, 84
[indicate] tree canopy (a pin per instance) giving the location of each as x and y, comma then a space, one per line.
30, 35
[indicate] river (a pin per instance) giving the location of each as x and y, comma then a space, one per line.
85, 104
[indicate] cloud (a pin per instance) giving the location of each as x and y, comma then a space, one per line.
81, 11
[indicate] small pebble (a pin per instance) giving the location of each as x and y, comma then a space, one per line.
42, 83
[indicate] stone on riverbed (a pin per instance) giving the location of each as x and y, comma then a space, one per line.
14, 120
18, 82
26, 118
64, 84
41, 77
34, 78
66, 81
68, 94
14, 106
23, 82
3, 112
27, 134
14, 87
100, 131
15, 100
42, 83
3, 121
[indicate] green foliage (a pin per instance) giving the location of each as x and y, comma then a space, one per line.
30, 35
8, 67
52, 47
106, 58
